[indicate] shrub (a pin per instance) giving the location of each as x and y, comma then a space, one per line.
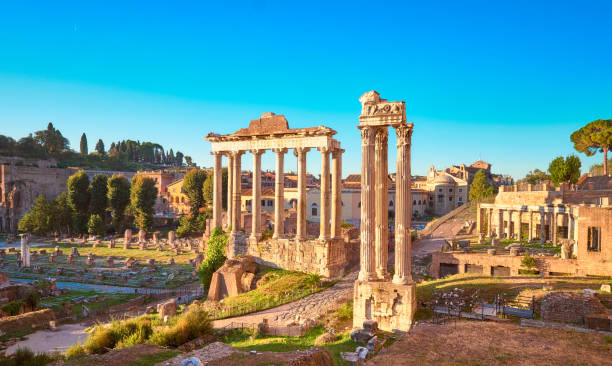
95, 225
345, 312
118, 334
25, 357
267, 234
528, 261
74, 351
12, 308
190, 325
215, 256
192, 224
346, 225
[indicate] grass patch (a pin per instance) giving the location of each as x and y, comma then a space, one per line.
246, 341
16, 334
152, 360
345, 312
103, 300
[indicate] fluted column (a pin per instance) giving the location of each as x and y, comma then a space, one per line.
217, 189
403, 206
279, 193
381, 199
500, 223
301, 232
367, 271
237, 193
542, 227
256, 196
324, 224
517, 225
553, 227
336, 194
530, 238
489, 222
230, 189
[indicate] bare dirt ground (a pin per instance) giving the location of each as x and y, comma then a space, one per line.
488, 343
47, 341
116, 357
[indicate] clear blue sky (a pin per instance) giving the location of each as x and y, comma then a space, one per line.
505, 81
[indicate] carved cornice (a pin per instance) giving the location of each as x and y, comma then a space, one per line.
280, 150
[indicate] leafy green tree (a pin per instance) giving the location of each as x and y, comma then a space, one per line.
100, 147
63, 212
41, 218
51, 140
95, 225
193, 184
188, 161
215, 256
594, 137
536, 177
83, 144
208, 189
179, 158
142, 198
78, 196
118, 195
99, 191
565, 170
479, 188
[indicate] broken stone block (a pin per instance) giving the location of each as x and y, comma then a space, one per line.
167, 309
605, 287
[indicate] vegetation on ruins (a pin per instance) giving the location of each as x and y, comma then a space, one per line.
480, 189
215, 256
25, 357
143, 195
536, 176
126, 155
118, 195
594, 137
528, 261
83, 145
79, 197
565, 170
98, 190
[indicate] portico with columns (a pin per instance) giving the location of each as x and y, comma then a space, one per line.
391, 301
325, 255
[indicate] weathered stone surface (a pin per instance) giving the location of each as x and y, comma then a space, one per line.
570, 307
167, 309
599, 321
228, 280
391, 305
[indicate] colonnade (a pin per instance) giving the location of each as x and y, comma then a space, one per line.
548, 217
331, 190
374, 204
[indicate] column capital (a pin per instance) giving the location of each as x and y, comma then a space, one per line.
236, 153
216, 153
367, 135
338, 151
382, 135
257, 151
404, 133
280, 150
301, 150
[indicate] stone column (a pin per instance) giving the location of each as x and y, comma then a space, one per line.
570, 225
279, 193
553, 227
301, 232
403, 206
478, 219
530, 225
490, 222
366, 258
217, 189
256, 196
324, 224
500, 223
542, 227
517, 225
237, 191
381, 198
336, 194
230, 189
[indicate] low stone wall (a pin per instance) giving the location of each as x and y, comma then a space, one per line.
326, 258
546, 265
33, 320
570, 307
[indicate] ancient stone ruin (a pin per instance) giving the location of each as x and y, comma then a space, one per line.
391, 303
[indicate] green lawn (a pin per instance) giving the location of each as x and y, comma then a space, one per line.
104, 300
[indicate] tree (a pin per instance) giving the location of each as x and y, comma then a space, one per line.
100, 147
118, 195
63, 212
208, 189
83, 144
51, 140
188, 161
95, 225
594, 137
78, 196
179, 158
98, 190
480, 188
142, 198
215, 256
40, 219
536, 177
192, 185
565, 170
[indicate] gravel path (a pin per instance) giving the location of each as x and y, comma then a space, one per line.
310, 306
48, 341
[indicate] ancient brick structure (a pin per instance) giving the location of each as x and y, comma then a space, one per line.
272, 132
391, 303
570, 307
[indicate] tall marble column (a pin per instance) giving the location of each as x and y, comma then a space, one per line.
381, 199
542, 227
336, 194
367, 271
230, 189
403, 206
237, 191
324, 224
530, 238
517, 225
489, 222
301, 232
500, 223
279, 194
217, 189
553, 227
570, 226
256, 196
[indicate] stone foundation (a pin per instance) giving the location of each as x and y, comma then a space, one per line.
391, 305
328, 258
237, 245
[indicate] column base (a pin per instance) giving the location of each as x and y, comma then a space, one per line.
364, 276
401, 280
392, 305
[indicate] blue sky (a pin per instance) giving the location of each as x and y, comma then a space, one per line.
505, 81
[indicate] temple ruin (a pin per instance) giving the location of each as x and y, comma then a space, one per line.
390, 302
325, 255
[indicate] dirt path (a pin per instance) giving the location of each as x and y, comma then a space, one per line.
48, 341
310, 306
434, 243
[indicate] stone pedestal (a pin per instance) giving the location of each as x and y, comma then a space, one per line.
127, 237
393, 306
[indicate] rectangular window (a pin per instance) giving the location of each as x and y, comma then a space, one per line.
594, 239
460, 190
440, 198
263, 203
450, 198
450, 190
460, 199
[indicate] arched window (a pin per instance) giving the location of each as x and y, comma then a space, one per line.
414, 202
359, 204
314, 210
